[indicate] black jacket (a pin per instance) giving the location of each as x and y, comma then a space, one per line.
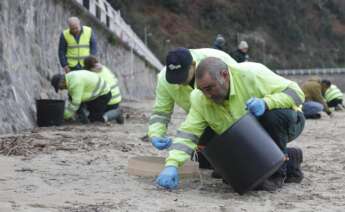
239, 56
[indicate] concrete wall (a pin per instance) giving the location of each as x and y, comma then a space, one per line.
29, 34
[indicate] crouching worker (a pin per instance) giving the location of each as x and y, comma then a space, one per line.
84, 88
332, 94
115, 113
224, 95
314, 102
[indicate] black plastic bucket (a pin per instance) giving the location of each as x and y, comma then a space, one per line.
245, 155
50, 112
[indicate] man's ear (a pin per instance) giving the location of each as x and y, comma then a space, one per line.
225, 74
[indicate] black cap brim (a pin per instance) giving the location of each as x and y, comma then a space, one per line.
177, 77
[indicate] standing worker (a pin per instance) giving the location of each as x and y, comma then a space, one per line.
223, 95
219, 43
76, 43
175, 83
332, 94
84, 87
91, 63
241, 53
314, 102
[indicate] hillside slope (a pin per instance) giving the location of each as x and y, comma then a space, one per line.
281, 34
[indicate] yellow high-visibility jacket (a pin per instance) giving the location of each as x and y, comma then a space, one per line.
333, 92
112, 81
83, 86
77, 51
247, 80
167, 94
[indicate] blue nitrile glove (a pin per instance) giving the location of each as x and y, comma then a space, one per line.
160, 142
256, 106
168, 178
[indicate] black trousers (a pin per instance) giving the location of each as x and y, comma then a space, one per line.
335, 102
98, 107
206, 137
283, 125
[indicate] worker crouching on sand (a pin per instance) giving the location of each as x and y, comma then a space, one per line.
332, 94
175, 83
314, 102
91, 63
224, 95
84, 88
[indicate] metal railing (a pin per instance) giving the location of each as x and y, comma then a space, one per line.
328, 71
104, 12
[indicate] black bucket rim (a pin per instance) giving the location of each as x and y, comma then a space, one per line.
49, 100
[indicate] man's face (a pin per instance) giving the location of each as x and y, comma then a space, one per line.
245, 50
62, 84
215, 90
324, 87
75, 28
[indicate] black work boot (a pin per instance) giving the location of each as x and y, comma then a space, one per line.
294, 172
82, 115
120, 119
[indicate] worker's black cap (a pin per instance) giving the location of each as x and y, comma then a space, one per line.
55, 81
178, 63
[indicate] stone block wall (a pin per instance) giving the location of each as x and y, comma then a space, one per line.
29, 35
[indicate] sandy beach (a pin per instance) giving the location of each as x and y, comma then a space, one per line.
84, 168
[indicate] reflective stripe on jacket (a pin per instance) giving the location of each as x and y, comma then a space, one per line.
247, 80
168, 94
83, 86
112, 81
333, 92
77, 51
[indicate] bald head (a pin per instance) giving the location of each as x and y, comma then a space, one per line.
74, 25
212, 78
211, 65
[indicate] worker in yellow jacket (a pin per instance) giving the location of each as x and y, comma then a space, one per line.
332, 94
175, 83
75, 44
225, 94
115, 113
84, 87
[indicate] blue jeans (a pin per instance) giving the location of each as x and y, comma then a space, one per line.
311, 108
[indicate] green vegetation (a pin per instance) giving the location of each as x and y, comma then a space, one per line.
281, 34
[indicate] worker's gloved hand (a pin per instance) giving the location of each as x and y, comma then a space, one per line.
161, 143
168, 178
256, 106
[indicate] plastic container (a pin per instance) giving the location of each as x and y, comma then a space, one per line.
50, 112
245, 155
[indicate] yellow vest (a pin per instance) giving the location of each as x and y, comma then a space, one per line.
112, 81
83, 86
333, 92
77, 52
